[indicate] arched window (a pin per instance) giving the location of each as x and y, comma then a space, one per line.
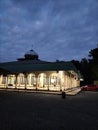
11, 80
53, 79
42, 79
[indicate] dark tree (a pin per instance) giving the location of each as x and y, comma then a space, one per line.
94, 56
86, 71
88, 67
94, 62
76, 63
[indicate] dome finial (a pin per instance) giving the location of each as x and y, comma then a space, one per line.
31, 54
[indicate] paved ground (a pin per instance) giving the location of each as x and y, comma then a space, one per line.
36, 111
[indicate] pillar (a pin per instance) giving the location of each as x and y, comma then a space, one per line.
48, 82
36, 81
7, 81
26, 75
16, 81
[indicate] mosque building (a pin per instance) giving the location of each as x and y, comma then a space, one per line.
34, 74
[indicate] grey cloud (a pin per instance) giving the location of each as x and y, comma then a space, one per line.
58, 29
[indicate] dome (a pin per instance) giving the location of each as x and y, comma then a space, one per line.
31, 54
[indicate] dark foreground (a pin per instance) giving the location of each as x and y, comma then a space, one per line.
34, 111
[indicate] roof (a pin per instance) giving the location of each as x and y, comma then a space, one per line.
31, 52
4, 71
36, 65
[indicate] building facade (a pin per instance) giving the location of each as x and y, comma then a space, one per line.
34, 74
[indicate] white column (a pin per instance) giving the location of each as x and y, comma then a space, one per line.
26, 75
16, 80
36, 81
7, 81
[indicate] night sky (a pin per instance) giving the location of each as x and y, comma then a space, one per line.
57, 29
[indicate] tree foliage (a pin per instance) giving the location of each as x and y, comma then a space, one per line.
88, 67
94, 62
94, 55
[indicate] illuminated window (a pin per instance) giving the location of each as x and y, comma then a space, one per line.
42, 79
10, 79
53, 80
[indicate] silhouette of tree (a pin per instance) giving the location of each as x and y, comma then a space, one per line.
94, 62
94, 56
86, 71
88, 67
76, 63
